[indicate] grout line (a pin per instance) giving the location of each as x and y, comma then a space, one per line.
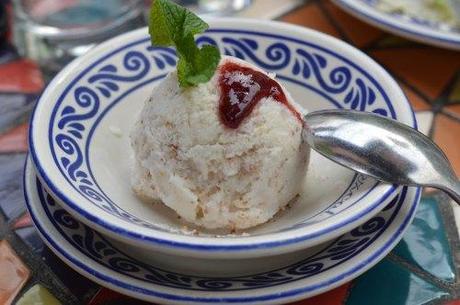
334, 23
399, 79
294, 9
432, 127
373, 44
425, 275
452, 115
40, 271
451, 229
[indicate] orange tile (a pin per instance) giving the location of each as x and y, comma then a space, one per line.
14, 140
333, 297
311, 16
358, 32
21, 76
417, 102
428, 69
453, 108
446, 135
13, 273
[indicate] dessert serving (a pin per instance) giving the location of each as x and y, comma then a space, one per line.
219, 140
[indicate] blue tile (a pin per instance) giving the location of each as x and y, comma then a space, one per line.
12, 202
389, 283
425, 243
78, 285
31, 238
15, 108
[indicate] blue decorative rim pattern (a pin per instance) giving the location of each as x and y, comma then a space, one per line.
390, 22
143, 238
345, 248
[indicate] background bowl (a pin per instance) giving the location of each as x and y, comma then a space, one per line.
80, 147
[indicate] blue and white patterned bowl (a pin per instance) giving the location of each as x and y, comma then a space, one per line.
415, 28
262, 281
80, 147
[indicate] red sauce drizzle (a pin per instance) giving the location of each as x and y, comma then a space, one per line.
241, 89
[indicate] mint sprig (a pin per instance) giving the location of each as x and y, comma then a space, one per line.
173, 25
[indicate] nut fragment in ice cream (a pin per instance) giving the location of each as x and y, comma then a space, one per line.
223, 154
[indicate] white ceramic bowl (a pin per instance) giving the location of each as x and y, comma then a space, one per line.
80, 147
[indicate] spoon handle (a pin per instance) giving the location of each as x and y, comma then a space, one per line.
453, 190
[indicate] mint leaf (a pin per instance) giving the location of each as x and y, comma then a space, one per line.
173, 25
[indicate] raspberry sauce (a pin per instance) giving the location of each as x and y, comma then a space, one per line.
241, 89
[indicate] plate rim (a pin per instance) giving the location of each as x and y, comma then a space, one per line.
370, 15
231, 245
94, 272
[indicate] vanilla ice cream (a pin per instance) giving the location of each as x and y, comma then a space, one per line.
212, 175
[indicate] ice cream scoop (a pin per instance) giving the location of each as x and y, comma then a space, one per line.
227, 153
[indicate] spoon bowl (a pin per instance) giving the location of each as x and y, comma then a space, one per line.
380, 147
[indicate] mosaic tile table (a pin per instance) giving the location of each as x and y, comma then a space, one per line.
422, 269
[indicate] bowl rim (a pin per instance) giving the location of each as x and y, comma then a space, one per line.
423, 34
257, 243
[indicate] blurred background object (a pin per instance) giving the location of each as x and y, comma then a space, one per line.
54, 32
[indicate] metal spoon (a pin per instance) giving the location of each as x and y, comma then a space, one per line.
380, 147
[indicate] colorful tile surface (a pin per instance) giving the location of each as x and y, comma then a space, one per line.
13, 273
109, 297
446, 135
15, 109
23, 76
311, 16
14, 140
30, 237
81, 287
417, 67
11, 199
390, 283
422, 269
425, 243
38, 295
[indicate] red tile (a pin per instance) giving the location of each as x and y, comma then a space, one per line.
23, 221
333, 297
21, 76
360, 33
427, 69
107, 297
14, 140
13, 273
311, 16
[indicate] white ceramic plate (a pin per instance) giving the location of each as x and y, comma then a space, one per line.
310, 272
415, 28
87, 167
